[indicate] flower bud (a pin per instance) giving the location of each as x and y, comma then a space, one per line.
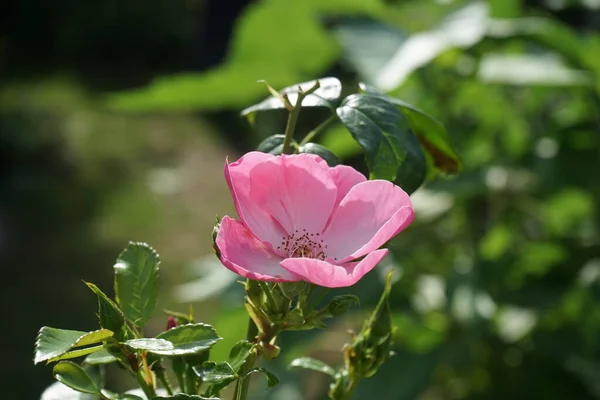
372, 346
171, 322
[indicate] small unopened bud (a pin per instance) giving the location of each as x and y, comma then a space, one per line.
171, 322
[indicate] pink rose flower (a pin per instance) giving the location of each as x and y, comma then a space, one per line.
301, 220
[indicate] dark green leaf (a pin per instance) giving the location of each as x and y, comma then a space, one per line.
392, 150
75, 377
327, 95
431, 133
109, 314
313, 364
274, 145
136, 282
52, 342
321, 151
272, 380
182, 340
213, 372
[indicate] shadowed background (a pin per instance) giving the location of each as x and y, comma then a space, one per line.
116, 118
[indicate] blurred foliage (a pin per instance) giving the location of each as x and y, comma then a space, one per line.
498, 278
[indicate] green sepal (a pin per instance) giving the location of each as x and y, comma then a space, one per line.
136, 282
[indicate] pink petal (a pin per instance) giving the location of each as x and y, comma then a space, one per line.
345, 178
245, 255
297, 190
323, 273
371, 214
237, 174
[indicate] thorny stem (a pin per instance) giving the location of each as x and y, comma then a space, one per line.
311, 135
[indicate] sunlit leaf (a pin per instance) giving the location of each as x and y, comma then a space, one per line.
313, 364
327, 95
136, 282
182, 340
52, 343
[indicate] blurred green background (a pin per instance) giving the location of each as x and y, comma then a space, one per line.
116, 118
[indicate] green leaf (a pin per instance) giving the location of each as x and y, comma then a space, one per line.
237, 358
327, 95
182, 396
274, 145
321, 151
110, 315
100, 357
313, 364
52, 343
182, 340
75, 377
272, 380
136, 282
216, 372
431, 133
392, 150
342, 303
239, 354
77, 353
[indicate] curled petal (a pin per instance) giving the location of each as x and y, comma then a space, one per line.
245, 255
371, 214
325, 274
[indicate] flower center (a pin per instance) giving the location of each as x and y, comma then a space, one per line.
303, 244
